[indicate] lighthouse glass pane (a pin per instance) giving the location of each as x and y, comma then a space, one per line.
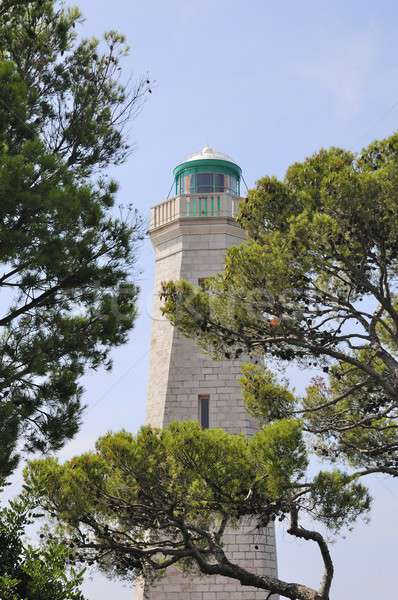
204, 183
204, 412
207, 183
219, 184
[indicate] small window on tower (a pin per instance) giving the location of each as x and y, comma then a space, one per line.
204, 411
202, 282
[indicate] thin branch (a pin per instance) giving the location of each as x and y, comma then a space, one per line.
315, 536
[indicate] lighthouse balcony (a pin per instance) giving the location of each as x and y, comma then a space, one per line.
194, 206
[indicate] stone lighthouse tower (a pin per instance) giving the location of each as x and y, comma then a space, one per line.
190, 233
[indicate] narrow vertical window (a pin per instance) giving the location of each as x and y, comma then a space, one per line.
202, 282
204, 416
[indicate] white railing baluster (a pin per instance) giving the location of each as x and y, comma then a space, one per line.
207, 206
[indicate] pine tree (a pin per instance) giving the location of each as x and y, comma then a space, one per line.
66, 256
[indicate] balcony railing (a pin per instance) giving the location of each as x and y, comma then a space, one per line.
194, 206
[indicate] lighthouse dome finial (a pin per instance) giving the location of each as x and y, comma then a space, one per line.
209, 153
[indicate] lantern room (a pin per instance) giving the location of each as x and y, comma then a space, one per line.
207, 172
206, 184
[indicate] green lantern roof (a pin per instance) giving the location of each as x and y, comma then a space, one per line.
209, 160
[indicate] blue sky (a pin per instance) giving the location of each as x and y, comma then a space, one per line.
268, 83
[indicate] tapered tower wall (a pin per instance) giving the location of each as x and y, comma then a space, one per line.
179, 371
192, 248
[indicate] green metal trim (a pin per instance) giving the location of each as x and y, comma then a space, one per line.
207, 166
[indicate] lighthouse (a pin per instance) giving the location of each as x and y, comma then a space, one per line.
190, 233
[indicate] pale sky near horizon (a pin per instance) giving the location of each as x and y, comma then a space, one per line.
268, 83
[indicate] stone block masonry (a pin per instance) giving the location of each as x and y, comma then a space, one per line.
192, 249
